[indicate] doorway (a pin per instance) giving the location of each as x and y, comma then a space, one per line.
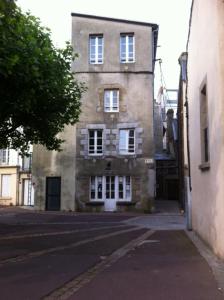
53, 193
110, 201
28, 193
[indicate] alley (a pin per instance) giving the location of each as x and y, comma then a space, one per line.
100, 256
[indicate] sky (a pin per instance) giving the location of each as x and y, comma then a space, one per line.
172, 16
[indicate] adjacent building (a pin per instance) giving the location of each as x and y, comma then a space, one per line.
166, 145
205, 124
107, 162
15, 179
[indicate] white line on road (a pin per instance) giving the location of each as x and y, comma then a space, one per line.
35, 254
31, 235
71, 287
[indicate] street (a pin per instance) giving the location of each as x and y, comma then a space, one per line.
99, 256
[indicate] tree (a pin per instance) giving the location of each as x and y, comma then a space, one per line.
38, 92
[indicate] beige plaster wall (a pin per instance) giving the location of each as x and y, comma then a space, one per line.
206, 62
52, 163
12, 200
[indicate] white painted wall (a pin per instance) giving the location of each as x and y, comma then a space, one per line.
206, 61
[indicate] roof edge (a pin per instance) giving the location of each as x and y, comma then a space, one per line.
153, 25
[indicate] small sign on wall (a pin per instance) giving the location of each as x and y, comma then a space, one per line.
149, 161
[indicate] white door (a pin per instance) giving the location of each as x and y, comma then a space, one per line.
28, 193
110, 200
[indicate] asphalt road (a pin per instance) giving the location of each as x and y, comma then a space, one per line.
97, 256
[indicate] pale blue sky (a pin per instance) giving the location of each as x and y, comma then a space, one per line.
172, 16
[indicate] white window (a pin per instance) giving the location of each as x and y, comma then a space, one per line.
111, 100
127, 141
6, 186
117, 188
4, 156
95, 141
96, 49
124, 188
127, 48
96, 188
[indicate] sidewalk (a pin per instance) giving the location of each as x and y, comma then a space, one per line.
166, 266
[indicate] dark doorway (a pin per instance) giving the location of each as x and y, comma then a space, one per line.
53, 193
167, 182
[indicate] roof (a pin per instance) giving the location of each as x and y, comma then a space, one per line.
153, 25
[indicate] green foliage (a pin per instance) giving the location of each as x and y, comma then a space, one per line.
38, 92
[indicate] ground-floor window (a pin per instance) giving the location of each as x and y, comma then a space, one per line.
6, 185
110, 187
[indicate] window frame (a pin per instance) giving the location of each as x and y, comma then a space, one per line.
204, 128
96, 60
111, 108
5, 156
124, 184
95, 145
8, 194
96, 182
125, 178
128, 58
126, 150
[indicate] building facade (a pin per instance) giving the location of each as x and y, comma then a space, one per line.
107, 160
15, 179
205, 95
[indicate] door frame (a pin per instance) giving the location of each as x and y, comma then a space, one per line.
46, 202
110, 200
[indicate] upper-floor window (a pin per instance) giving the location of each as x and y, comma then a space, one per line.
111, 100
95, 141
27, 162
127, 141
204, 125
4, 156
96, 49
127, 48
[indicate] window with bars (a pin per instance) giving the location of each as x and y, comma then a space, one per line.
95, 141
127, 48
127, 141
96, 49
111, 100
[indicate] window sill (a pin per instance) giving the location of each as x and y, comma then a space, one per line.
204, 166
95, 64
127, 62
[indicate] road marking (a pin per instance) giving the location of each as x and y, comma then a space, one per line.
31, 235
35, 254
148, 241
63, 223
71, 287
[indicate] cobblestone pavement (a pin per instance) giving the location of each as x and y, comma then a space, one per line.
100, 256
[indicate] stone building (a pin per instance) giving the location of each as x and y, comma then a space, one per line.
107, 160
205, 126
